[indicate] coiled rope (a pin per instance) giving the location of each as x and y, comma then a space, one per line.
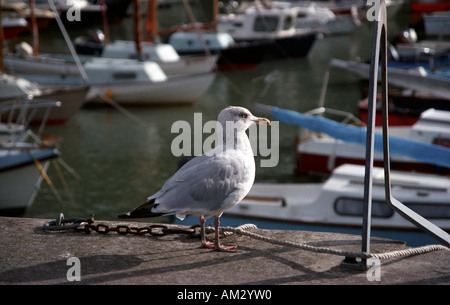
242, 230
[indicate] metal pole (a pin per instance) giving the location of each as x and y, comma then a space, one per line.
69, 42
379, 23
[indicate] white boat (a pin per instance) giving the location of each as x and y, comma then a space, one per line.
276, 24
133, 82
24, 63
321, 153
127, 81
437, 23
339, 201
320, 18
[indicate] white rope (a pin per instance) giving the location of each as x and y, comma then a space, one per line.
241, 230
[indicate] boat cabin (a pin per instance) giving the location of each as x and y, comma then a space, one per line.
108, 70
186, 42
259, 23
433, 127
159, 52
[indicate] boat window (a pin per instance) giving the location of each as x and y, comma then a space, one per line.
124, 75
288, 23
427, 210
355, 207
265, 24
237, 24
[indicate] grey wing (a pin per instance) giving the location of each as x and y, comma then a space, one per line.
201, 186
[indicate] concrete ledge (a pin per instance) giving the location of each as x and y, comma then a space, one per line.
29, 255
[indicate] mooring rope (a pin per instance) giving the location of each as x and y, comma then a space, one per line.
242, 230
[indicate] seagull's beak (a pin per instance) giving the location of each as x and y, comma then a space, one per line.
261, 121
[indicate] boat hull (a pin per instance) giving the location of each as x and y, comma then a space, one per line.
20, 182
176, 90
314, 163
41, 66
242, 55
71, 98
437, 24
288, 46
189, 65
429, 6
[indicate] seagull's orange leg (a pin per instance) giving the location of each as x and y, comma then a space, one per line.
217, 245
205, 243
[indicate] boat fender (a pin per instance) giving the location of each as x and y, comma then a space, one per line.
109, 94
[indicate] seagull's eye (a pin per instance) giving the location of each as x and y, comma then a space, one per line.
243, 115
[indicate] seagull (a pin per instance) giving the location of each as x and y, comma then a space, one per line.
210, 183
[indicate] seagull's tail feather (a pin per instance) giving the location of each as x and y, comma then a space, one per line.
142, 211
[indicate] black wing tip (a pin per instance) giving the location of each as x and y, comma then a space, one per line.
142, 211
126, 215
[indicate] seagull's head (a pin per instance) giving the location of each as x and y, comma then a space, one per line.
241, 117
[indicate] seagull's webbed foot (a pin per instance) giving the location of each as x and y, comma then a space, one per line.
219, 247
222, 248
216, 245
207, 244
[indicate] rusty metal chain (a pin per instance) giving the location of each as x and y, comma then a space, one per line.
87, 225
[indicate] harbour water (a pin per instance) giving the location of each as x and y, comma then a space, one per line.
120, 161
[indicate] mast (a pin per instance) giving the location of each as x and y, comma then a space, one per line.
151, 21
137, 27
2, 66
34, 29
215, 14
104, 21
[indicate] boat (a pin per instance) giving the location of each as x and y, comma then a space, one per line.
277, 25
321, 153
23, 164
231, 55
338, 205
427, 82
428, 54
20, 177
127, 81
195, 39
405, 107
131, 82
12, 27
151, 50
320, 18
18, 9
437, 23
17, 89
